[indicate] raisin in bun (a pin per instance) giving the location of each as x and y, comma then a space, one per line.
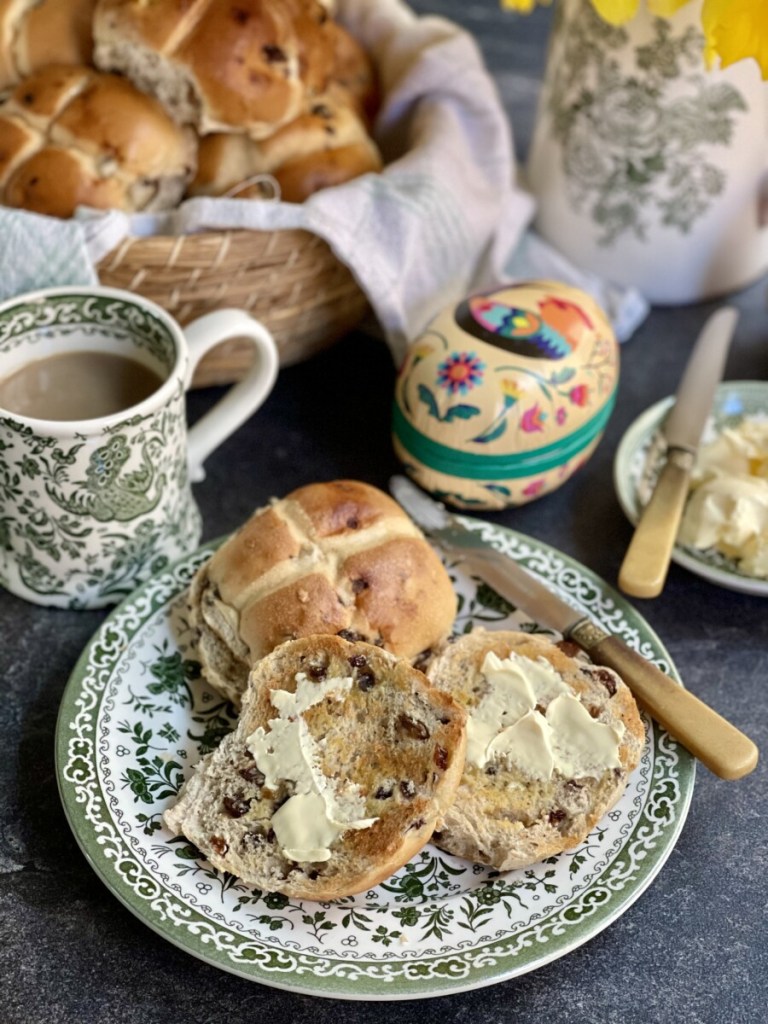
514, 808
217, 65
72, 136
340, 558
326, 145
342, 760
34, 33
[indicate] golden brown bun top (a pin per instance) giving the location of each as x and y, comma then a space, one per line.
33, 35
307, 515
344, 506
71, 135
327, 144
250, 62
337, 557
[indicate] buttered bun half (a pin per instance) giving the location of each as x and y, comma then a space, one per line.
217, 65
342, 761
551, 741
330, 558
72, 136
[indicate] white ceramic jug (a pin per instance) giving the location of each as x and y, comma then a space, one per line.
649, 169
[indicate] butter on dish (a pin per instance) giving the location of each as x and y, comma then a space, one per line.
728, 505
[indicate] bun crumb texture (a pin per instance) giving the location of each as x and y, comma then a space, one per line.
378, 746
509, 811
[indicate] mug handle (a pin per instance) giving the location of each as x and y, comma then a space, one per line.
245, 397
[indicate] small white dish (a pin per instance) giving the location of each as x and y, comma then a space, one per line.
634, 464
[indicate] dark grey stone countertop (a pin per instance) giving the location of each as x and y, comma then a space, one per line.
690, 950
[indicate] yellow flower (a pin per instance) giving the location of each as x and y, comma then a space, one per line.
510, 390
616, 12
421, 351
736, 29
524, 6
664, 8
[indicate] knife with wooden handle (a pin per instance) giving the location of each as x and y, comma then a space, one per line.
720, 746
646, 563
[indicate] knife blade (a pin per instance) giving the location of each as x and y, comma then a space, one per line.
723, 748
645, 566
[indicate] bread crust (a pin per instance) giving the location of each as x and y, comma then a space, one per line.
327, 144
220, 66
502, 818
397, 738
336, 557
35, 33
72, 136
355, 73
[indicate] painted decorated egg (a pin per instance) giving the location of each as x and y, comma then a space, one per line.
505, 395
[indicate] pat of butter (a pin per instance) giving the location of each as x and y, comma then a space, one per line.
728, 506
537, 679
526, 744
506, 725
582, 746
302, 828
317, 812
516, 686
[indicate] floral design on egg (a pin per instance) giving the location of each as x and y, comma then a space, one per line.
460, 372
504, 395
551, 332
579, 395
533, 419
534, 488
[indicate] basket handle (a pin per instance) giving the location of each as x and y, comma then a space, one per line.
242, 400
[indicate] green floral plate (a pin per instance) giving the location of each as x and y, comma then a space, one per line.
639, 459
136, 716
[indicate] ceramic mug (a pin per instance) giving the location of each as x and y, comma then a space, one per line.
649, 169
93, 506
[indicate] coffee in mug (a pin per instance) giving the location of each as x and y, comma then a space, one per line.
96, 461
77, 386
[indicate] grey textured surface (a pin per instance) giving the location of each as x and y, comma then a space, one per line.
691, 950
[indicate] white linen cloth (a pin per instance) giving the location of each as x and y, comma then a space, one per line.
446, 216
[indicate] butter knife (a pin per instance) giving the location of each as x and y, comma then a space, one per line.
720, 746
646, 562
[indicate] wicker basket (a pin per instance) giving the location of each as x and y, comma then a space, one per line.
288, 279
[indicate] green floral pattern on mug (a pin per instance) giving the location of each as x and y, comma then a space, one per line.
633, 152
97, 501
87, 514
87, 316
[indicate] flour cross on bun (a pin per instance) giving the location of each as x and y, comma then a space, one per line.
551, 741
342, 760
338, 558
327, 144
73, 136
217, 65
36, 33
